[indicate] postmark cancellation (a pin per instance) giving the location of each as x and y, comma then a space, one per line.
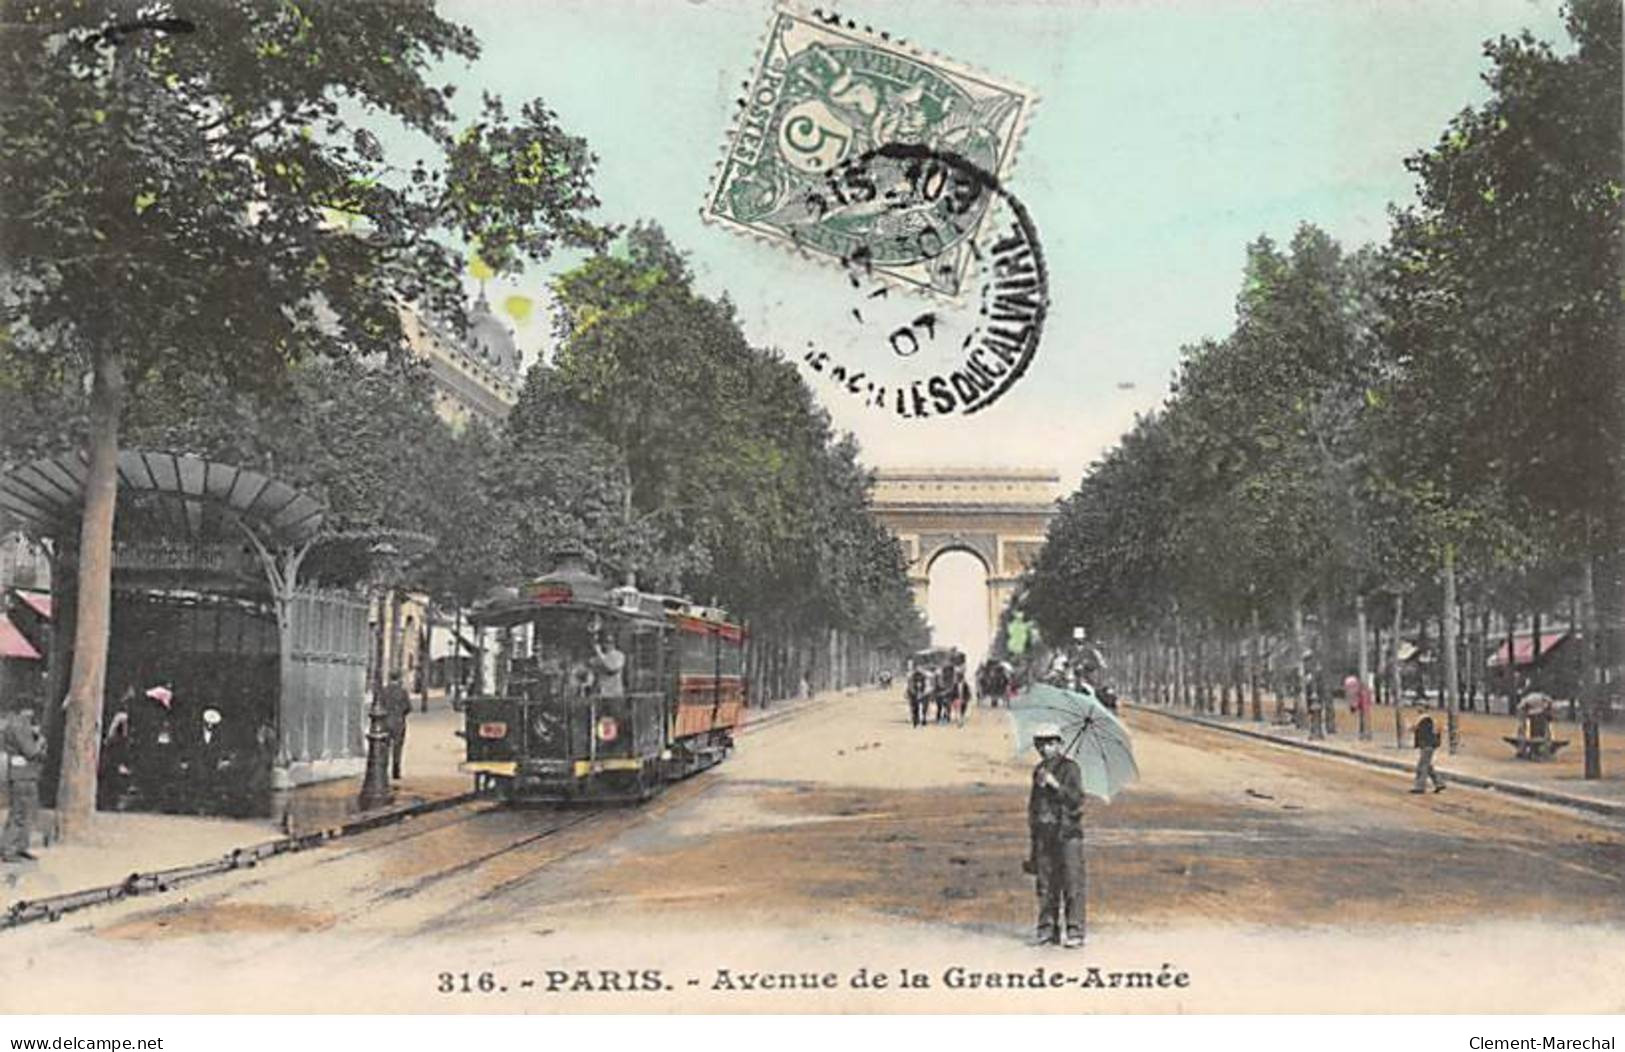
825, 92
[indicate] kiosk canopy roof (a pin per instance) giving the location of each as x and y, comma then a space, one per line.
48, 495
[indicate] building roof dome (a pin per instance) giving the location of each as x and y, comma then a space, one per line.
492, 343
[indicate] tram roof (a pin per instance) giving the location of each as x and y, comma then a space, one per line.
588, 595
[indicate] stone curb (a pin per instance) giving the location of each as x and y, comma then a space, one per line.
55, 906
1584, 803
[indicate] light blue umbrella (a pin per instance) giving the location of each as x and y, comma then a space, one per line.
1090, 734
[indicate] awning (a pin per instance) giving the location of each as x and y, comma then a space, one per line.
1524, 647
13, 644
48, 495
39, 602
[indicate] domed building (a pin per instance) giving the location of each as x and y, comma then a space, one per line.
491, 341
476, 377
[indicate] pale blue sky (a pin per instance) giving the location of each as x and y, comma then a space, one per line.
1168, 136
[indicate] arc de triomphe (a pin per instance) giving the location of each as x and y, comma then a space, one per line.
999, 515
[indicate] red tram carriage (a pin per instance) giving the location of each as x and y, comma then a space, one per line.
602, 693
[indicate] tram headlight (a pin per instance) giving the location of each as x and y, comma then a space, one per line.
609, 728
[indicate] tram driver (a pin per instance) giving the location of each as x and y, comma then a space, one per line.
608, 661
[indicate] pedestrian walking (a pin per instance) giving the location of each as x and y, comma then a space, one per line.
998, 683
23, 746
1426, 737
919, 691
947, 690
1358, 696
397, 707
1314, 696
1055, 829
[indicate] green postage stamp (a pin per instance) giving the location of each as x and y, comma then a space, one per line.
824, 96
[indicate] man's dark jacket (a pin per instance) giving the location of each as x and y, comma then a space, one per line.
1056, 813
20, 739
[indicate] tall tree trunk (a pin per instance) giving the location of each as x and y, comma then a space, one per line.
1332, 640
1362, 665
1201, 672
1452, 685
1509, 668
456, 683
1255, 671
425, 634
1179, 661
1379, 682
1299, 701
81, 732
1422, 645
1238, 672
1396, 676
1482, 652
1464, 648
1590, 694
1534, 642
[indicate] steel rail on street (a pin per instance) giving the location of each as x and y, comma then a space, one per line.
154, 882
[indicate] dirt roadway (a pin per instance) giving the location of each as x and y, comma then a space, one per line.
843, 839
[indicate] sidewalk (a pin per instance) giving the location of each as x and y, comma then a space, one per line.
1483, 758
129, 842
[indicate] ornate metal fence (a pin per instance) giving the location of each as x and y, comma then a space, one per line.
324, 678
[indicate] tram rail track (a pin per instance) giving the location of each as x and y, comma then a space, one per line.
55, 907
156, 882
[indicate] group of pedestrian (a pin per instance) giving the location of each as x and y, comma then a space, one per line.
995, 682
161, 752
945, 687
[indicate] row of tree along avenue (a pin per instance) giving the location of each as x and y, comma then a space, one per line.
207, 250
1411, 450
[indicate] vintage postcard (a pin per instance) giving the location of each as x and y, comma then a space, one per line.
513, 506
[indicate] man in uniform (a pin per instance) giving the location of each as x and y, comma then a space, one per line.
397, 707
23, 747
1055, 824
609, 663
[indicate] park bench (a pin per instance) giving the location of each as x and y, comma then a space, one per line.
1534, 748
1534, 739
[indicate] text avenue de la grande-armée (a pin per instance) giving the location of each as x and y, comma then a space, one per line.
730, 980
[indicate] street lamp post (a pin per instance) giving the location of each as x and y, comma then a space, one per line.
375, 788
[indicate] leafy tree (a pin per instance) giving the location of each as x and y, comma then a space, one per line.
218, 201
1506, 301
555, 484
724, 452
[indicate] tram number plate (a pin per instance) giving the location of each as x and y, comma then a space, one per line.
493, 730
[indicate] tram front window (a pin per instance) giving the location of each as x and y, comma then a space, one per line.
566, 661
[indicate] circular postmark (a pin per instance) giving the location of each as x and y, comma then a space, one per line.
931, 209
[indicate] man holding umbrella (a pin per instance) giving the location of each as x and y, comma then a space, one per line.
1055, 824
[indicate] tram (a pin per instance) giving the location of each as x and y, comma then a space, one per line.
600, 692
